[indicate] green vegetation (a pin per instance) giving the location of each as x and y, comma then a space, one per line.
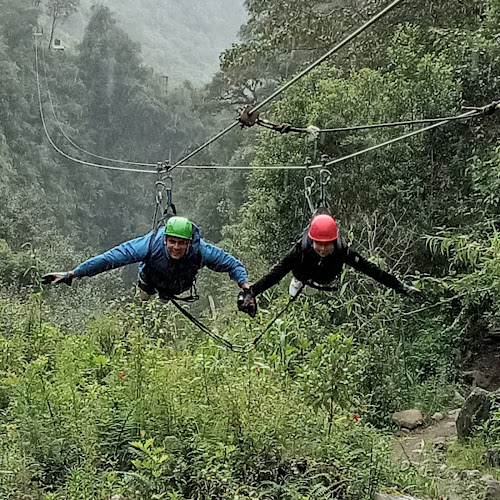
102, 397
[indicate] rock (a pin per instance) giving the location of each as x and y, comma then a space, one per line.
475, 411
439, 443
437, 417
487, 477
454, 413
468, 474
408, 418
477, 378
404, 432
492, 490
450, 424
492, 458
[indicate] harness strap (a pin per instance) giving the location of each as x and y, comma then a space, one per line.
321, 287
243, 349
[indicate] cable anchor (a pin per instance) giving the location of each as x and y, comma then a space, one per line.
248, 117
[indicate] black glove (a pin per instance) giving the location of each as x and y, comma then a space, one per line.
246, 302
58, 278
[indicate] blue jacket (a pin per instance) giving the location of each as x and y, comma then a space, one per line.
158, 270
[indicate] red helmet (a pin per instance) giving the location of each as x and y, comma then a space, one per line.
323, 228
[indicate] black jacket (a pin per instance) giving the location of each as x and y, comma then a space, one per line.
307, 266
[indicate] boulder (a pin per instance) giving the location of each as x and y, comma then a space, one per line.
474, 412
408, 419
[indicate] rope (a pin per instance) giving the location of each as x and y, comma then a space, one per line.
242, 349
245, 167
316, 63
285, 128
68, 138
475, 112
76, 160
392, 141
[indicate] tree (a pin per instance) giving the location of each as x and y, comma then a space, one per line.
59, 10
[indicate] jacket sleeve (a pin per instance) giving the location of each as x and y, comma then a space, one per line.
220, 261
276, 274
356, 261
127, 253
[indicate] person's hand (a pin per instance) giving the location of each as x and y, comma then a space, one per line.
246, 302
410, 290
58, 278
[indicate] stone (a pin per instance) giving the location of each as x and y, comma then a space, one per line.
439, 443
437, 417
404, 432
468, 474
408, 418
487, 477
493, 490
474, 412
455, 413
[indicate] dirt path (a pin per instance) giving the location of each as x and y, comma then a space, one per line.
409, 445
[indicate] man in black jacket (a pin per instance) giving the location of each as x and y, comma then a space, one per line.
318, 258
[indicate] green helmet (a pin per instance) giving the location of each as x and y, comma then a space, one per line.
179, 227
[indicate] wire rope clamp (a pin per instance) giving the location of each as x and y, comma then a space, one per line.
248, 117
313, 132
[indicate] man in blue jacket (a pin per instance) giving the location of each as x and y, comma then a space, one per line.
169, 261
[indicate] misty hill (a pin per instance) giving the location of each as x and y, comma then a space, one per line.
180, 38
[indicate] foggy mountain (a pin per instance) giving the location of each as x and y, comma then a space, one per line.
181, 39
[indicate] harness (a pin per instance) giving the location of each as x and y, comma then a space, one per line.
193, 292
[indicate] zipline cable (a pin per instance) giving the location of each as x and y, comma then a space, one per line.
396, 139
337, 47
82, 162
139, 164
285, 128
469, 114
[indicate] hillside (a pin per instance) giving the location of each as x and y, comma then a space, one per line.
180, 39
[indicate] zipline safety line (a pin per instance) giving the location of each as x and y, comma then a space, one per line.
469, 114
246, 167
69, 139
392, 141
82, 162
285, 128
344, 42
203, 146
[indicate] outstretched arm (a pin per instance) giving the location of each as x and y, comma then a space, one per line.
128, 252
276, 274
220, 261
358, 262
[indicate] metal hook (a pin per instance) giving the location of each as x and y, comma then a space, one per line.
309, 183
325, 176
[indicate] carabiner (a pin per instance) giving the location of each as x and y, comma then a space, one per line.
309, 183
325, 176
